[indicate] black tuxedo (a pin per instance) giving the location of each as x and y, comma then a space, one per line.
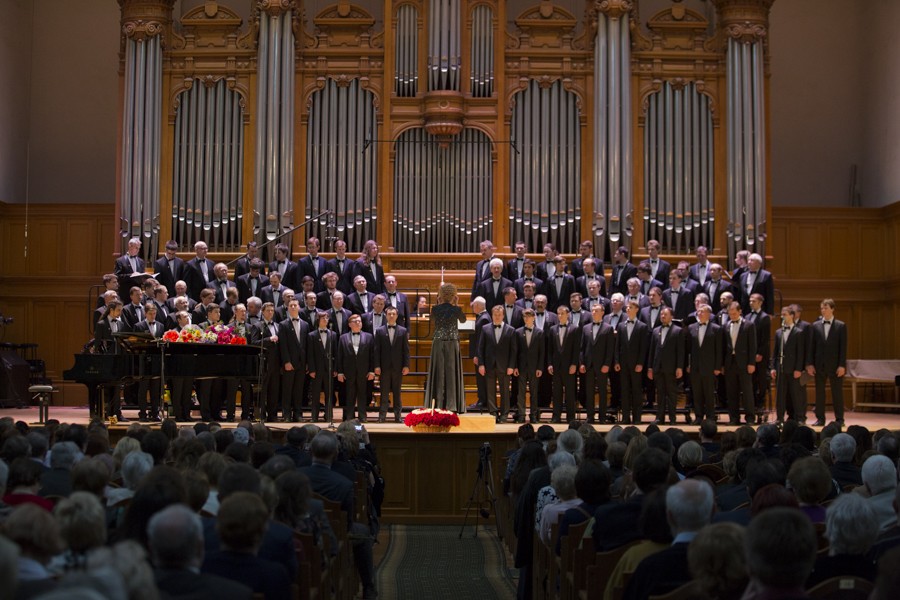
763, 326
550, 319
354, 302
738, 382
557, 298
124, 272
402, 306
245, 288
763, 284
481, 319
598, 349
221, 296
289, 278
368, 322
519, 284
268, 294
156, 329
581, 284
262, 335
242, 267
661, 276
579, 318
631, 353
576, 267
650, 318
315, 268
486, 291
292, 348
168, 272
542, 270
391, 357
666, 357
162, 312
497, 356
193, 276
694, 272
619, 280
685, 304
530, 359
641, 299
333, 324
374, 274
170, 304
513, 317
705, 358
355, 367
562, 357
345, 272
133, 314
524, 303
651, 283
323, 299
515, 269
483, 272
104, 343
826, 355
588, 303
317, 356
788, 357
716, 292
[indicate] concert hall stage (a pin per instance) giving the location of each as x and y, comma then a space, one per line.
430, 477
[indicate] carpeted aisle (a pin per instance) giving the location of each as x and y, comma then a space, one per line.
425, 561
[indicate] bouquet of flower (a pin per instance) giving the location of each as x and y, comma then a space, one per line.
431, 419
217, 334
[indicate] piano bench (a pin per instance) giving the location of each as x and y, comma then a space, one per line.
43, 393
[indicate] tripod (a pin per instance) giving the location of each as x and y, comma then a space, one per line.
483, 492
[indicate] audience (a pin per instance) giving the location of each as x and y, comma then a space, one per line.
716, 562
780, 550
851, 527
879, 476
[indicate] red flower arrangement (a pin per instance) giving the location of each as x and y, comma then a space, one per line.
219, 334
431, 419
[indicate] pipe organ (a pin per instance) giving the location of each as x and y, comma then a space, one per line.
430, 125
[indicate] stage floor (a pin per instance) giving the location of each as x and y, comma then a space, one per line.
476, 425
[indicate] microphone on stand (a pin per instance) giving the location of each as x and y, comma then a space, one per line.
330, 227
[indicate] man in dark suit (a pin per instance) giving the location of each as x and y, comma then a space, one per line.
360, 300
252, 282
634, 293
343, 267
826, 360
646, 281
169, 268
198, 271
293, 334
578, 316
699, 271
242, 266
175, 540
632, 345
491, 289
320, 356
515, 268
220, 283
659, 269
563, 356
337, 488
512, 314
338, 316
105, 343
715, 285
585, 252
689, 507
133, 312
588, 274
391, 363
396, 299
160, 301
598, 349
678, 297
355, 367
788, 362
704, 362
530, 363
376, 318
129, 264
497, 361
266, 334
544, 319
740, 364
650, 314
547, 268
520, 283
286, 268
594, 296
482, 318
666, 365
323, 298
482, 268
312, 264
622, 271
757, 280
560, 287
762, 323
153, 327
310, 312
273, 292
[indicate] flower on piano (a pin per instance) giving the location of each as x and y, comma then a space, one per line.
217, 334
170, 336
238, 341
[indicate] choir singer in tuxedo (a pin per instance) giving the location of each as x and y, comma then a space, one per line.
787, 367
530, 364
704, 362
666, 364
632, 345
320, 356
826, 360
391, 362
497, 361
356, 366
598, 347
562, 362
293, 334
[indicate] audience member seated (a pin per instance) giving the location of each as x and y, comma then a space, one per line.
241, 524
879, 476
34, 530
888, 538
760, 473
770, 496
689, 507
850, 527
57, 481
562, 480
711, 449
780, 550
716, 562
23, 483
592, 483
811, 482
888, 580
767, 440
843, 453
300, 511
294, 442
690, 456
175, 535
82, 526
734, 495
547, 494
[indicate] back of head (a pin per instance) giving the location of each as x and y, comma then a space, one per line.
239, 477
689, 505
296, 437
135, 467
767, 435
810, 479
708, 429
651, 469
175, 537
843, 448
35, 531
690, 455
570, 441
761, 473
879, 474
242, 521
23, 472
156, 444
90, 475
662, 441
780, 548
324, 447
851, 525
560, 459
716, 560
162, 487
82, 521
563, 481
592, 482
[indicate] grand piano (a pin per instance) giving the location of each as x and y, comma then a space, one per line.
140, 356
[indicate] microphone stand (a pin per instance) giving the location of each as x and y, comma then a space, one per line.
288, 232
329, 383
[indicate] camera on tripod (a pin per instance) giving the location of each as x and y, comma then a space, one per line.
484, 453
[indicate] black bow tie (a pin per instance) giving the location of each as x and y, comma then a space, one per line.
664, 326
562, 326
653, 262
786, 328
559, 276
356, 334
498, 326
295, 320
702, 324
735, 322
321, 331
674, 291
281, 262
529, 329
827, 322
392, 293
509, 307
392, 327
